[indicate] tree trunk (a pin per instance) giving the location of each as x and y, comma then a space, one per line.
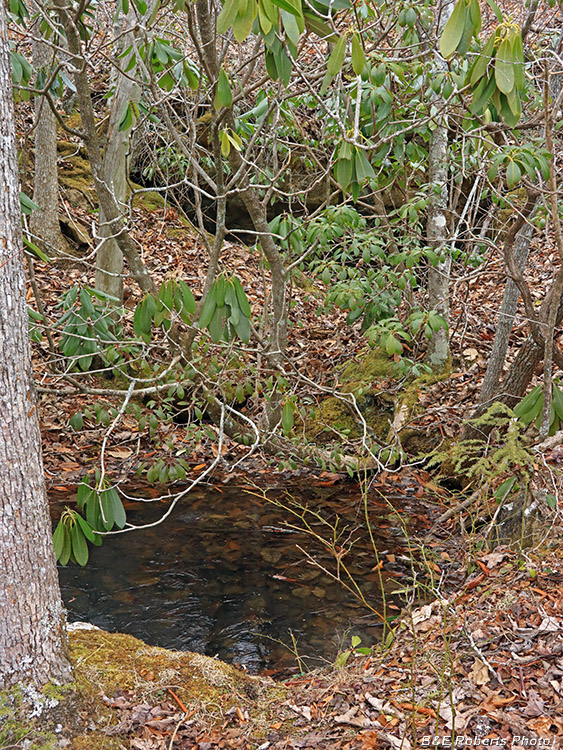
437, 226
44, 221
109, 259
523, 368
108, 205
506, 315
32, 626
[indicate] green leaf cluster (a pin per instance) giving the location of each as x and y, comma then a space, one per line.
229, 138
462, 26
103, 510
281, 24
173, 295
238, 14
21, 74
18, 9
226, 311
129, 117
530, 409
497, 75
518, 161
70, 539
103, 507
353, 169
171, 66
87, 325
223, 95
163, 473
27, 207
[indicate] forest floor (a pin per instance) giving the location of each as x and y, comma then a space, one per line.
484, 663
321, 345
478, 666
481, 661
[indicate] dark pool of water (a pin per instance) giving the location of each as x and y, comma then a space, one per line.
224, 576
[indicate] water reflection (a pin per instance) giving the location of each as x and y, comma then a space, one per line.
224, 577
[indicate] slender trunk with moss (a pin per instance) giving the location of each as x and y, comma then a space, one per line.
438, 353
519, 235
109, 259
44, 221
113, 217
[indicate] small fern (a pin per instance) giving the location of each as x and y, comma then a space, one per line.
503, 453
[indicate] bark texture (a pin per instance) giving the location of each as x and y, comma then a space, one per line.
44, 222
109, 260
520, 237
109, 207
32, 625
437, 227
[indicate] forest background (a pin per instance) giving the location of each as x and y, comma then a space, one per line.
318, 235
390, 170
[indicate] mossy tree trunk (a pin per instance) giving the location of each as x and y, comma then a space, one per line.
109, 258
113, 216
32, 625
45, 221
520, 236
437, 225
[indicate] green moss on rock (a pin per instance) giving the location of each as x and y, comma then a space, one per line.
334, 418
150, 200
366, 377
374, 365
75, 176
108, 662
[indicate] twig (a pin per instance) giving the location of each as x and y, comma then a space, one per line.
481, 655
451, 512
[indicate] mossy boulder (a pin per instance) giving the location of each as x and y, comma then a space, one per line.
387, 409
75, 176
415, 441
373, 365
106, 662
77, 716
368, 379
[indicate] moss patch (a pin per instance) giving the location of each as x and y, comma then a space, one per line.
375, 365
111, 661
75, 176
366, 378
334, 419
35, 719
108, 662
150, 200
414, 441
371, 379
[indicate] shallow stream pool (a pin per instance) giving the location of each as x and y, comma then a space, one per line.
226, 575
